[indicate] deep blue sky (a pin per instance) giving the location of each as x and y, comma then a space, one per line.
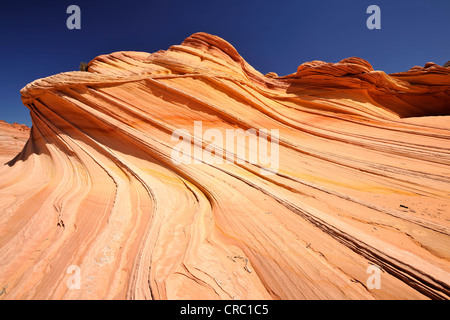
275, 35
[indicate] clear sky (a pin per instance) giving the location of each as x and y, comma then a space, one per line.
275, 35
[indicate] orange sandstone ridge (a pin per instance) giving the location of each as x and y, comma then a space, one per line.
363, 180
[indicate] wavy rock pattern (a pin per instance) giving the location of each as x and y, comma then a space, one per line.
362, 181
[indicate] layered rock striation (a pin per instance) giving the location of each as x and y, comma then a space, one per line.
362, 182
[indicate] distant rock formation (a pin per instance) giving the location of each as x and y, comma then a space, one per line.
361, 195
12, 139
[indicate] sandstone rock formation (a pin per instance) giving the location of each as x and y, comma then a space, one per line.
12, 139
362, 181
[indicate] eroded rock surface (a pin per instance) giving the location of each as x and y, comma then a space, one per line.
362, 181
